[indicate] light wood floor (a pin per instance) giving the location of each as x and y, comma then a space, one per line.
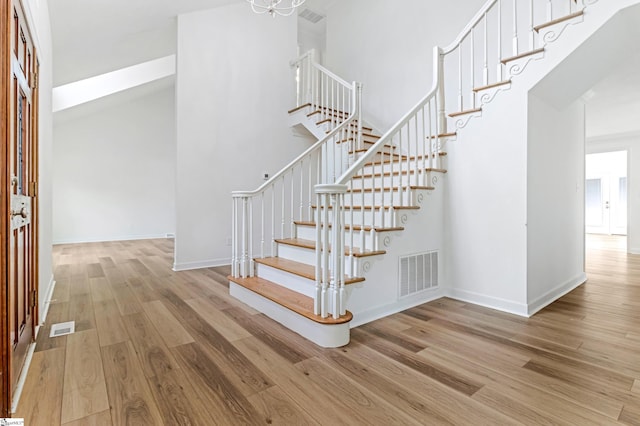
155, 347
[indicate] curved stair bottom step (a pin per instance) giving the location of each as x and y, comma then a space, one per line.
324, 335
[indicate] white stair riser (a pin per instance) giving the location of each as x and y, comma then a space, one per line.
422, 179
298, 254
435, 163
380, 198
308, 256
309, 233
369, 216
285, 279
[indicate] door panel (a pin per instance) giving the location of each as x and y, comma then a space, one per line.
606, 204
21, 178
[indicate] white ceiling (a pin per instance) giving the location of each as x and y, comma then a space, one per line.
92, 37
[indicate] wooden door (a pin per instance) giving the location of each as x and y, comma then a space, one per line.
19, 161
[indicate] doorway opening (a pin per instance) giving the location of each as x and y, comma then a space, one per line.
606, 195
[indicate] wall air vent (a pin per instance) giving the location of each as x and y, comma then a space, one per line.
418, 272
311, 16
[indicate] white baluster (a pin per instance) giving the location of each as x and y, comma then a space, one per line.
549, 10
532, 31
417, 154
515, 27
485, 69
283, 209
234, 237
274, 246
317, 300
291, 218
472, 65
262, 226
460, 100
301, 214
250, 238
499, 65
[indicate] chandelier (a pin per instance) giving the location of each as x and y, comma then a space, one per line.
274, 7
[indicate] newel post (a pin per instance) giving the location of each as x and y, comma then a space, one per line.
330, 253
241, 251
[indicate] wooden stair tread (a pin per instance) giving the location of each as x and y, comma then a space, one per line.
465, 112
537, 28
310, 244
368, 143
491, 86
522, 55
404, 187
443, 135
394, 154
291, 111
300, 269
355, 227
289, 299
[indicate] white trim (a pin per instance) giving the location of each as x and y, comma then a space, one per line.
634, 250
407, 302
324, 335
613, 137
112, 238
44, 309
211, 263
555, 293
497, 303
23, 378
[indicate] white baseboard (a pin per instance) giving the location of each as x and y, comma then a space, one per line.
488, 301
15, 400
44, 308
112, 238
555, 293
365, 317
634, 250
212, 263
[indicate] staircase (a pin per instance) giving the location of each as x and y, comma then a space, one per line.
329, 231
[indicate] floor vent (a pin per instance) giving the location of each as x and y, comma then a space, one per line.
418, 272
63, 328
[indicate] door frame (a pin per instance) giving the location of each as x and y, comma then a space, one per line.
5, 70
6, 381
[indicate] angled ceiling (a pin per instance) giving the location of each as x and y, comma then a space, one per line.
92, 37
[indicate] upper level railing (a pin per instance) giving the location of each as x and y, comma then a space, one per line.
328, 96
503, 36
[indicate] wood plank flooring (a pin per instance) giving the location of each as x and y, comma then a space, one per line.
156, 347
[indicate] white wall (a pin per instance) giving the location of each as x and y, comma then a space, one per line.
234, 88
555, 200
631, 143
114, 175
37, 12
388, 46
485, 219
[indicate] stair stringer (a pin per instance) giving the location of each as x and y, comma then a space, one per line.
489, 258
378, 295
